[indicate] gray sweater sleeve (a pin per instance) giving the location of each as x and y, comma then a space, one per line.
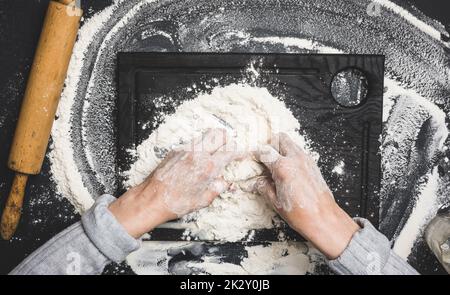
369, 253
84, 248
88, 246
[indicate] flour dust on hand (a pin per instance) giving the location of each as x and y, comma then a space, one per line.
251, 116
288, 164
193, 176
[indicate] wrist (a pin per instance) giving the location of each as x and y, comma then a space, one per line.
344, 228
138, 211
331, 231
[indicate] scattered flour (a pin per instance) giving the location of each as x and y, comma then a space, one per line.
402, 206
421, 25
68, 173
339, 168
250, 115
425, 208
63, 167
153, 257
277, 258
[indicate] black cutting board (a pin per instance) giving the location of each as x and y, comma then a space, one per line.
338, 133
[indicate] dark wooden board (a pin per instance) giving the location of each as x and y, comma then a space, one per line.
350, 134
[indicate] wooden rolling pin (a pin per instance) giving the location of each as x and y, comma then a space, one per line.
39, 105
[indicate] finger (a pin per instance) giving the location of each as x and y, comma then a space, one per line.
261, 185
254, 185
222, 159
168, 163
219, 186
215, 188
210, 141
267, 155
171, 157
284, 144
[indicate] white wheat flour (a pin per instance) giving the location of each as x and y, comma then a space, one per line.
251, 115
292, 258
403, 36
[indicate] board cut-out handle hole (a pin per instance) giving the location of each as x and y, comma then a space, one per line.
349, 87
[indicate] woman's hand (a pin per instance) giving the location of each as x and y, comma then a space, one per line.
187, 180
299, 193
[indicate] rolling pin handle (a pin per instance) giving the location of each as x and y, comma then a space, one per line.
13, 208
44, 86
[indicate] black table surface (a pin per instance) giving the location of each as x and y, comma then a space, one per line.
20, 26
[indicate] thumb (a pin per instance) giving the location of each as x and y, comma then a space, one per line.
261, 185
267, 155
213, 190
